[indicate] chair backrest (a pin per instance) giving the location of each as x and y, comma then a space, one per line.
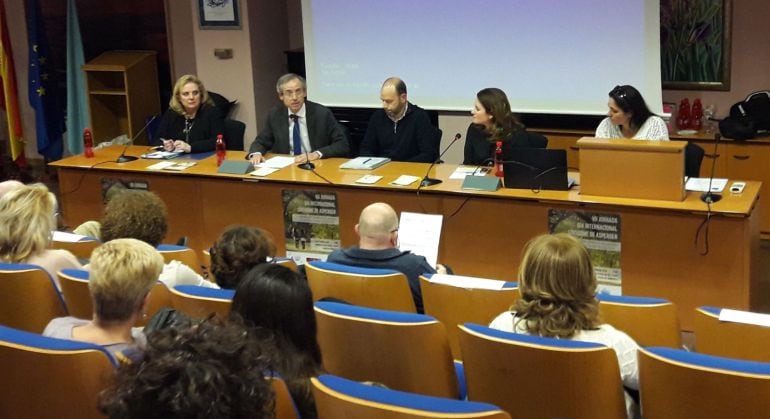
81, 249
200, 302
287, 262
206, 265
533, 376
29, 298
649, 321
183, 254
404, 351
693, 157
45, 377
733, 340
377, 288
678, 384
284, 404
234, 131
537, 140
337, 397
454, 306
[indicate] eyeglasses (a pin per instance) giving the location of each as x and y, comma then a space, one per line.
619, 93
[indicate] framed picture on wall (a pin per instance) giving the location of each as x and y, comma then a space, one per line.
695, 44
219, 14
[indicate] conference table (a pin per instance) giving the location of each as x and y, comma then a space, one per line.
483, 233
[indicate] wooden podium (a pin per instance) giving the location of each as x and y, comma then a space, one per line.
632, 168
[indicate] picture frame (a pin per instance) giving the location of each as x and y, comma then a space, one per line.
695, 40
219, 14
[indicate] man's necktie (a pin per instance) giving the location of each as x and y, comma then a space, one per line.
296, 139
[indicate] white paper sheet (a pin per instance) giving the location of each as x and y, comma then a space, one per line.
369, 179
63, 236
462, 171
420, 234
701, 184
737, 316
277, 162
263, 171
405, 180
467, 282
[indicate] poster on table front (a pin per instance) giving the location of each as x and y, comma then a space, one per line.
600, 234
311, 224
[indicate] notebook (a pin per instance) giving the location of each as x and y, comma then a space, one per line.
537, 168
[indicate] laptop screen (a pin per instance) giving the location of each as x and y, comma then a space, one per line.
538, 169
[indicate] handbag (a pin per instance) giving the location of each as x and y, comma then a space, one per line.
165, 317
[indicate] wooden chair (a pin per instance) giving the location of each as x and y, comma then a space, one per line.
29, 298
74, 286
200, 302
206, 265
45, 377
81, 249
404, 351
454, 306
533, 376
284, 404
678, 384
377, 288
337, 397
732, 340
287, 262
183, 254
649, 321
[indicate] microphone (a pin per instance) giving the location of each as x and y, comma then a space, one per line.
307, 165
125, 159
427, 181
708, 197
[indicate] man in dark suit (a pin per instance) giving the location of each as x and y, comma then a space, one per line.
299, 127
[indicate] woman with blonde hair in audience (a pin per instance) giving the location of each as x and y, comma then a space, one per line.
27, 220
558, 300
236, 251
122, 273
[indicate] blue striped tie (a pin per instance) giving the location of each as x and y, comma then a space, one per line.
296, 139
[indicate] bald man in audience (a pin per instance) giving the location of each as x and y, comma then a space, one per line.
377, 231
400, 130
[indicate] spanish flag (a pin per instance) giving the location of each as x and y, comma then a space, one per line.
8, 97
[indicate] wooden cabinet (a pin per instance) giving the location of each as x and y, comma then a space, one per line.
749, 161
718, 158
122, 93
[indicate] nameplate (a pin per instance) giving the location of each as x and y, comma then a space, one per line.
235, 167
481, 183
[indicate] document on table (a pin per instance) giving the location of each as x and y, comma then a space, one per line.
368, 179
462, 171
467, 282
263, 171
277, 162
701, 184
170, 165
420, 234
747, 317
405, 180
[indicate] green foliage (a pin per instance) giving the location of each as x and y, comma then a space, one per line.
691, 33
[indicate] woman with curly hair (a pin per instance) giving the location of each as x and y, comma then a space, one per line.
236, 251
208, 369
27, 220
558, 288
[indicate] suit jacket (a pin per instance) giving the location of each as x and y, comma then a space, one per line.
325, 133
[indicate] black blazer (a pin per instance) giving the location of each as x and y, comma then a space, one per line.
206, 125
326, 134
479, 150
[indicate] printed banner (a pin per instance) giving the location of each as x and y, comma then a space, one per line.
311, 224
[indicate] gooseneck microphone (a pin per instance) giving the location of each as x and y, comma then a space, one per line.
125, 159
307, 165
428, 181
708, 197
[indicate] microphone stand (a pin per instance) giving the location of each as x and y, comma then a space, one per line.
125, 159
428, 181
708, 197
307, 165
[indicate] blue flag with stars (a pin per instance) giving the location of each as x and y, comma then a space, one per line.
45, 95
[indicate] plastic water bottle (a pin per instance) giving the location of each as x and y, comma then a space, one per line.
499, 158
88, 142
221, 150
696, 118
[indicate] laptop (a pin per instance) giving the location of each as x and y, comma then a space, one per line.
537, 169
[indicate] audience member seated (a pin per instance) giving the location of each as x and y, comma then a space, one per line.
277, 299
9, 185
629, 117
191, 123
492, 121
236, 251
27, 217
400, 130
142, 215
558, 288
122, 273
203, 370
377, 231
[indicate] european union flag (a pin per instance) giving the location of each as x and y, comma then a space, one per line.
44, 93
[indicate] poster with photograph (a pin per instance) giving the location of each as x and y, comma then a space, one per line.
600, 233
311, 224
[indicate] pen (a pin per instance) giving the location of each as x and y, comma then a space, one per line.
366, 161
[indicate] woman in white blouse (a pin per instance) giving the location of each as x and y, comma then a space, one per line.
629, 117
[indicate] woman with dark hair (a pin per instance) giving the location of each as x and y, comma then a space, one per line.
191, 123
558, 300
492, 121
236, 251
629, 117
279, 300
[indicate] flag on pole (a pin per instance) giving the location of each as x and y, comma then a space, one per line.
8, 95
44, 95
77, 105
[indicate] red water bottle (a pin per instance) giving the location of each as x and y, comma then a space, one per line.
696, 118
499, 158
88, 142
221, 150
683, 116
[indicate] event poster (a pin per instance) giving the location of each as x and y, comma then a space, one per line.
311, 224
600, 233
